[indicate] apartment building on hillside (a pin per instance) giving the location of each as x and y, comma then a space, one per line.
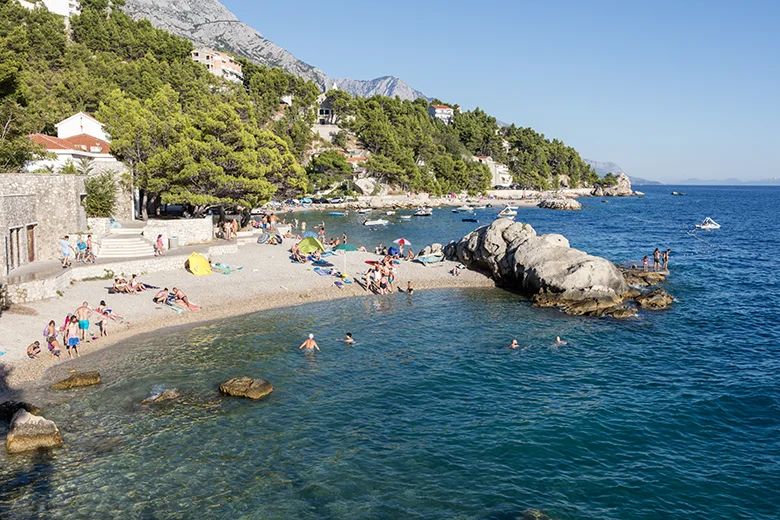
219, 64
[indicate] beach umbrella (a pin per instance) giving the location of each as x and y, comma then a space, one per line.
309, 245
402, 242
346, 248
308, 234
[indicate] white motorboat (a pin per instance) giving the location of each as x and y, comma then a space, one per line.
377, 222
406, 217
423, 212
463, 209
390, 213
508, 211
482, 206
364, 211
708, 223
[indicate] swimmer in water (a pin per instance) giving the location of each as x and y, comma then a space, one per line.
514, 344
559, 342
310, 345
349, 340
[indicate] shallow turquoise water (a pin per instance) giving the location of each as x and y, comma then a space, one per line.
671, 415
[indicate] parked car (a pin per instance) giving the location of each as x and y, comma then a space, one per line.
336, 200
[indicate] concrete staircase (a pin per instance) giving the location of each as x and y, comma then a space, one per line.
125, 242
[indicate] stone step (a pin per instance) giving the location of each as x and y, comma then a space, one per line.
125, 246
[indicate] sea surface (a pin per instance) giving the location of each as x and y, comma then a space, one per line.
674, 414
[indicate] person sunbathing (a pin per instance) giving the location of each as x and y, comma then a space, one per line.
161, 296
181, 298
136, 285
34, 350
121, 286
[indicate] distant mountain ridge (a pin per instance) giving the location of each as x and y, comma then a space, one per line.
603, 168
208, 23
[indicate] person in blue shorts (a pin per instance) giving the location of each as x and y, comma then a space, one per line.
72, 337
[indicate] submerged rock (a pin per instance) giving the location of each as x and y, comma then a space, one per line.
533, 514
77, 380
9, 408
246, 387
655, 300
640, 278
564, 204
166, 395
31, 432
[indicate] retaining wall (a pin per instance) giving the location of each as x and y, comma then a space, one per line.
189, 231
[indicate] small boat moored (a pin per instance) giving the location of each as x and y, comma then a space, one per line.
708, 223
406, 217
423, 212
508, 211
469, 219
377, 222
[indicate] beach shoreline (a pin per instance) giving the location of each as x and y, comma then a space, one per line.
267, 281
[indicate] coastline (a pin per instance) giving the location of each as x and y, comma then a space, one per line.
267, 281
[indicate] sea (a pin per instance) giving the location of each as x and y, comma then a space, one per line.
672, 414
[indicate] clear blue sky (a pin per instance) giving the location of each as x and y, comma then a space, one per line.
668, 90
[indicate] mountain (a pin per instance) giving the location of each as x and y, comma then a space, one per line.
208, 23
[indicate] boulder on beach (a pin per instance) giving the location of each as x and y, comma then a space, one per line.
31, 432
77, 380
246, 387
564, 204
655, 300
9, 408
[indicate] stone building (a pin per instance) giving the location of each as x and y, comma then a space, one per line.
443, 113
499, 171
35, 210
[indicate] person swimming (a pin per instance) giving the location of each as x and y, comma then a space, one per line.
349, 340
559, 342
310, 345
514, 344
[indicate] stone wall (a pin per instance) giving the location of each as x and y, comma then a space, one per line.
54, 207
35, 290
188, 231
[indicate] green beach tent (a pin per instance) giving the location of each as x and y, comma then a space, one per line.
310, 245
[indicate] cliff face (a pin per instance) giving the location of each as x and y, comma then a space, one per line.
210, 24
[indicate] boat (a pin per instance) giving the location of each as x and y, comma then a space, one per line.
708, 223
465, 209
508, 211
513, 208
678, 193
430, 259
364, 211
469, 219
390, 213
423, 212
336, 214
377, 222
483, 206
406, 217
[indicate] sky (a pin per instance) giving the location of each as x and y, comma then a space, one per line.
668, 90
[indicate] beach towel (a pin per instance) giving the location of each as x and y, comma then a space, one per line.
338, 284
322, 263
322, 272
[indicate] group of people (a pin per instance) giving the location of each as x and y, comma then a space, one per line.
164, 296
230, 229
83, 252
134, 286
660, 260
74, 331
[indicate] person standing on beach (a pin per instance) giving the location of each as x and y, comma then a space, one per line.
343, 238
309, 345
645, 262
303, 227
66, 250
234, 227
666, 258
158, 246
656, 259
82, 315
72, 337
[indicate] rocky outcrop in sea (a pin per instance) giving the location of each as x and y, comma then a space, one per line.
565, 204
548, 269
621, 189
246, 387
77, 380
31, 432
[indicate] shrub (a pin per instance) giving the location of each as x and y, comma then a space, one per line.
101, 195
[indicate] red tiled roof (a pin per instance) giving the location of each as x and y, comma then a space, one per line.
81, 142
440, 106
482, 156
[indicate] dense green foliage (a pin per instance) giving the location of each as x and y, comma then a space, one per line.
187, 136
327, 168
101, 195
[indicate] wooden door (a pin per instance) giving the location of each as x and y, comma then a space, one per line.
31, 243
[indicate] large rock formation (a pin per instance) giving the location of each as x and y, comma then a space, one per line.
246, 387
567, 204
76, 380
621, 189
31, 432
543, 265
9, 408
655, 300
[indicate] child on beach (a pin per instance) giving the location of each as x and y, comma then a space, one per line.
54, 346
645, 262
103, 324
409, 288
158, 246
34, 350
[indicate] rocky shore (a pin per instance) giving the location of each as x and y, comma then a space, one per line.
554, 274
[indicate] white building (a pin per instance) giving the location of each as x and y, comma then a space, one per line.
80, 136
219, 64
64, 8
499, 171
442, 113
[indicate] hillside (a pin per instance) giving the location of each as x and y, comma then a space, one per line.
603, 168
208, 23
